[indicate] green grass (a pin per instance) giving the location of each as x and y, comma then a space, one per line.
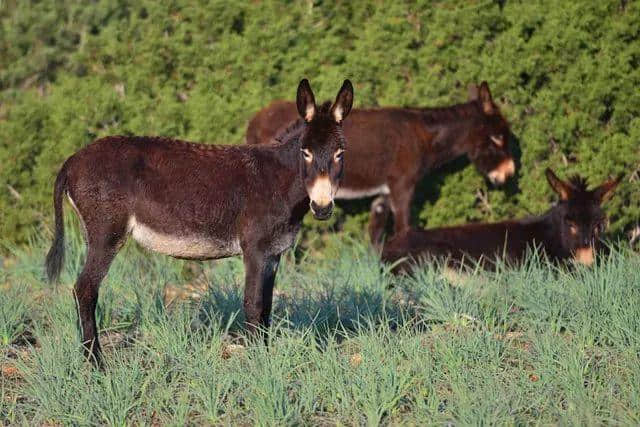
349, 345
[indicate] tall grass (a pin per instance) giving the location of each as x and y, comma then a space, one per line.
350, 344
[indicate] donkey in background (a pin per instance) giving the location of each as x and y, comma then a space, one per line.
569, 230
197, 201
390, 149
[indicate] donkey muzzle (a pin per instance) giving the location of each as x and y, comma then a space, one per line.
321, 194
584, 255
321, 212
502, 172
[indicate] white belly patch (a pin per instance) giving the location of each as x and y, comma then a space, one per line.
346, 193
182, 246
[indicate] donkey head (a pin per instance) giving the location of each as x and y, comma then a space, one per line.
322, 146
579, 215
489, 150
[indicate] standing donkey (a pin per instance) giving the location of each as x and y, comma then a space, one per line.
569, 230
390, 149
197, 201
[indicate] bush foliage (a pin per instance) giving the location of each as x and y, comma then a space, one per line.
566, 76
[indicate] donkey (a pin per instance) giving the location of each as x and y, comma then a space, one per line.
390, 149
569, 230
197, 201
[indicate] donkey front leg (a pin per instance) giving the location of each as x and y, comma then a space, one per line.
260, 276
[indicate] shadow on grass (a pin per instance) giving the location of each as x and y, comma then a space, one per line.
332, 312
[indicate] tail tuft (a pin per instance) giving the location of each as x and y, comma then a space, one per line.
55, 257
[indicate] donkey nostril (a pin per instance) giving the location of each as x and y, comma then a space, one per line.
321, 212
496, 177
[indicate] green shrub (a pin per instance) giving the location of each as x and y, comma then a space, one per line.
565, 75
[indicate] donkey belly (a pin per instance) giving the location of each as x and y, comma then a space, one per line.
360, 193
185, 244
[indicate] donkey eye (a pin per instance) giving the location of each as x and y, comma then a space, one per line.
498, 140
306, 154
338, 155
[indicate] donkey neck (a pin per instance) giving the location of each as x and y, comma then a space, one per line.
553, 238
285, 154
449, 129
287, 150
544, 229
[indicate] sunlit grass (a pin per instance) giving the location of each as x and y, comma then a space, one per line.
350, 343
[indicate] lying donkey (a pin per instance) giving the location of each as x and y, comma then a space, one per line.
197, 201
568, 230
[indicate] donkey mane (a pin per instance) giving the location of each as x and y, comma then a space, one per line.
325, 107
451, 113
579, 182
161, 140
293, 130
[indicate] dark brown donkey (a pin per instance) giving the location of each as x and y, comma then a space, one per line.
198, 201
390, 149
569, 230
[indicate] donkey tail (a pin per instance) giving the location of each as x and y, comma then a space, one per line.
55, 257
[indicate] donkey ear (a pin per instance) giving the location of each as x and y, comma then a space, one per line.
474, 92
344, 101
563, 189
605, 191
484, 95
305, 101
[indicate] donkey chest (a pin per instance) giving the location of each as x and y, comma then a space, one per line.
182, 244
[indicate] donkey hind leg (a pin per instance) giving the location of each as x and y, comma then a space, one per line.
378, 218
99, 258
260, 272
400, 199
